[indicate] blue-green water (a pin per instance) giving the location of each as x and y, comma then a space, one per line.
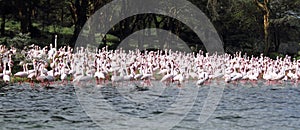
242, 106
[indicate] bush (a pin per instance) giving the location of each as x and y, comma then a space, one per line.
20, 40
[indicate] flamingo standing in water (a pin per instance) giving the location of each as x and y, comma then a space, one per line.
147, 75
170, 74
6, 74
99, 75
41, 77
253, 75
236, 75
22, 74
115, 78
168, 77
267, 76
63, 73
50, 78
127, 76
139, 75
293, 76
85, 77
32, 76
78, 75
203, 76
180, 77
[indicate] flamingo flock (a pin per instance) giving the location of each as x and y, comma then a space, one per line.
48, 64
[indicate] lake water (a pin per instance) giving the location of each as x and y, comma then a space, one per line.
242, 106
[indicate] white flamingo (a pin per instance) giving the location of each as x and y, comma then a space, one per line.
24, 73
203, 76
6, 76
99, 75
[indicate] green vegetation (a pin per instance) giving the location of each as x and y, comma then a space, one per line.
251, 26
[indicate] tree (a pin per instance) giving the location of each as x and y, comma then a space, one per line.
79, 10
264, 6
284, 22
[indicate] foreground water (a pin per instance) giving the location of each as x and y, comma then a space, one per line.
242, 106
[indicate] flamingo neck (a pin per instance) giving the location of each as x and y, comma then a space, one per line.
4, 68
26, 68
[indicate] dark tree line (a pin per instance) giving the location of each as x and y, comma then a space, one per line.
251, 26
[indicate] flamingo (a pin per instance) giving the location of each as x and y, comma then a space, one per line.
63, 76
87, 77
6, 76
77, 76
267, 76
49, 79
42, 77
24, 73
7, 61
32, 74
115, 78
281, 75
227, 78
99, 75
252, 75
128, 77
203, 76
168, 77
170, 74
179, 77
292, 76
147, 75
139, 75
236, 75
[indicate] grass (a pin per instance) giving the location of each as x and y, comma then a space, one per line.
18, 79
21, 80
15, 26
59, 29
46, 37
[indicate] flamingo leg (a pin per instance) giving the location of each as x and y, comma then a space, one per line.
31, 83
63, 82
67, 82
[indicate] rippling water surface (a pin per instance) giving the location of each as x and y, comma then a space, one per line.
242, 106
